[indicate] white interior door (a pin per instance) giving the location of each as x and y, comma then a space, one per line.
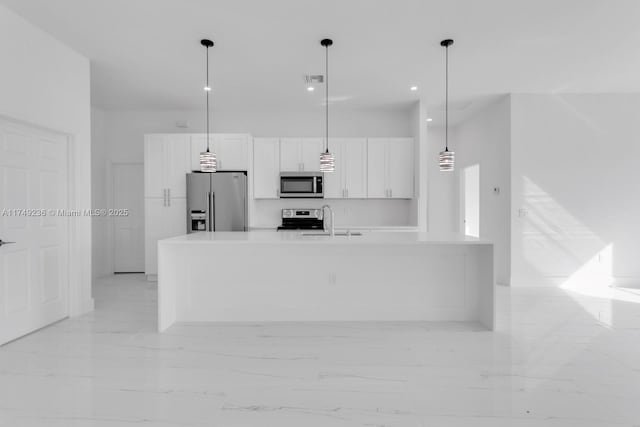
33, 195
128, 230
471, 202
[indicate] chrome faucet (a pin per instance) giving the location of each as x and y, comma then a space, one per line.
332, 231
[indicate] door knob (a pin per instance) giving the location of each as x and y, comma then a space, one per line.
5, 243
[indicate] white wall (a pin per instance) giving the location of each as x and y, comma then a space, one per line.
484, 139
45, 83
418, 214
369, 213
442, 196
575, 173
101, 255
125, 129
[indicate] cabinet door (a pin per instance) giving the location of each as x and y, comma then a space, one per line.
232, 152
311, 149
178, 156
354, 155
400, 168
154, 163
290, 154
266, 168
376, 168
162, 220
334, 181
153, 229
175, 218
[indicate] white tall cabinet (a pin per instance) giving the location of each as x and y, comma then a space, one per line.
167, 160
349, 181
390, 168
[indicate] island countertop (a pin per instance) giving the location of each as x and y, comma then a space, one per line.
297, 237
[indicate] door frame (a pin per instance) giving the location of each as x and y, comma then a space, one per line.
110, 166
77, 302
462, 193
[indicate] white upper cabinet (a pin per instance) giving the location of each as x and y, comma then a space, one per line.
300, 154
166, 162
390, 168
311, 150
290, 154
266, 168
232, 150
350, 177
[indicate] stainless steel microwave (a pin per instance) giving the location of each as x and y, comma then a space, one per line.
301, 184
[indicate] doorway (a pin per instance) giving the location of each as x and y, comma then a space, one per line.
471, 200
128, 218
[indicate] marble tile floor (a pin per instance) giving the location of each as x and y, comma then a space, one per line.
558, 358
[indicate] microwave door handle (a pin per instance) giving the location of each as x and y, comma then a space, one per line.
315, 185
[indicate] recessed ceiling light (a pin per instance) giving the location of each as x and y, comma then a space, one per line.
429, 119
414, 88
310, 88
207, 88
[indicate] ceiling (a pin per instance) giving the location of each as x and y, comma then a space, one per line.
145, 54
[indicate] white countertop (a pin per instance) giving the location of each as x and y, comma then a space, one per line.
296, 237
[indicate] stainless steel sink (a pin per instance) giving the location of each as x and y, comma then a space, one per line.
326, 233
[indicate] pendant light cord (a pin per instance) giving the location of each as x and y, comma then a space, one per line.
326, 97
446, 102
207, 92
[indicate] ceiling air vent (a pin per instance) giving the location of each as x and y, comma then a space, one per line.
311, 79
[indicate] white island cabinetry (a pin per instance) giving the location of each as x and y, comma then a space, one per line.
271, 276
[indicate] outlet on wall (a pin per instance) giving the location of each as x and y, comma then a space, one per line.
333, 278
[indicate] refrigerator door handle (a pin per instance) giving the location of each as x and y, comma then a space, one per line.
211, 209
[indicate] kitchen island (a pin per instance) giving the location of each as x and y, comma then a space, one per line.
262, 276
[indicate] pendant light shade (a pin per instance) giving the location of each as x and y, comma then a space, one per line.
447, 158
208, 161
327, 160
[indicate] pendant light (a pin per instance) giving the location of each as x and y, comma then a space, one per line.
447, 158
208, 162
327, 160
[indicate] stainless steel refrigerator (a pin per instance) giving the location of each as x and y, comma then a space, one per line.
217, 201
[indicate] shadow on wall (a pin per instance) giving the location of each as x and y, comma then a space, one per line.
560, 249
575, 218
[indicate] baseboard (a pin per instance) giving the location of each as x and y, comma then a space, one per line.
86, 306
557, 281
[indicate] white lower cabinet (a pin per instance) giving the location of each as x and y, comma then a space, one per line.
164, 217
390, 169
349, 181
266, 168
